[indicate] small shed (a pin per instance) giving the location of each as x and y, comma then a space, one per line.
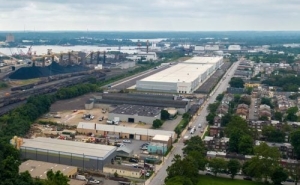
124, 152
89, 104
164, 139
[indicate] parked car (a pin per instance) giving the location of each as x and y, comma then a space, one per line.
133, 160
199, 126
144, 148
126, 141
93, 181
147, 174
247, 178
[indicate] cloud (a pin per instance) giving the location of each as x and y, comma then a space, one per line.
118, 15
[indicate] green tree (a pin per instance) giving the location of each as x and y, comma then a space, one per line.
220, 97
225, 119
185, 167
272, 134
56, 178
210, 118
278, 116
245, 145
179, 180
217, 165
157, 123
291, 114
236, 82
295, 141
164, 115
279, 175
264, 162
194, 144
186, 116
233, 167
267, 101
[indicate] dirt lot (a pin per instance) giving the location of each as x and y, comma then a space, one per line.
71, 104
69, 117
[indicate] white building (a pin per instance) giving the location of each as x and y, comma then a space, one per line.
234, 47
181, 78
199, 48
143, 56
212, 47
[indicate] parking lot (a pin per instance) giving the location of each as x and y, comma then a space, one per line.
254, 109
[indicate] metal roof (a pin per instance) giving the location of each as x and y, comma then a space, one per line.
122, 129
88, 150
182, 72
204, 60
139, 110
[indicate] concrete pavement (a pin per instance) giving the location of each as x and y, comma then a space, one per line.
161, 174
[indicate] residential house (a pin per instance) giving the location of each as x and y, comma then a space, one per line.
286, 149
227, 98
242, 110
216, 131
216, 144
258, 125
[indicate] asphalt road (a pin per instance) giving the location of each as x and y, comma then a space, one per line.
221, 87
253, 112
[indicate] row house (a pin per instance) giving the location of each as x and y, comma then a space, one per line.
216, 144
286, 149
258, 125
216, 131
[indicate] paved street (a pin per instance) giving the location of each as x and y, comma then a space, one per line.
253, 111
221, 87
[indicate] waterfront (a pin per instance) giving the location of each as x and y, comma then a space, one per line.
57, 49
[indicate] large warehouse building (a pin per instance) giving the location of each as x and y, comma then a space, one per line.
181, 78
120, 131
83, 155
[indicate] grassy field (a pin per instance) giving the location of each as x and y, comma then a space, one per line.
211, 180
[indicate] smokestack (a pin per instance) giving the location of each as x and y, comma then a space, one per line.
98, 57
104, 57
147, 46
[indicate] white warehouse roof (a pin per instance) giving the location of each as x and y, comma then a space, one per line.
122, 129
204, 60
179, 73
64, 146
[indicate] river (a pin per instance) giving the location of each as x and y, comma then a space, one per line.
57, 49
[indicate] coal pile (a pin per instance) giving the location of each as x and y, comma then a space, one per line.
53, 69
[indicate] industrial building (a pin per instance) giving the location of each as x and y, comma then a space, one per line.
82, 155
135, 113
122, 170
37, 169
181, 78
105, 101
120, 131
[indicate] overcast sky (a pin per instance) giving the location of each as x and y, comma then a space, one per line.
150, 15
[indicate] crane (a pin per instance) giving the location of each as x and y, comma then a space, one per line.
11, 57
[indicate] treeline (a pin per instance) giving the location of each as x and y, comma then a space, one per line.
288, 82
18, 122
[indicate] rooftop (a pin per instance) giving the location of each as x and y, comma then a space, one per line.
203, 60
182, 72
161, 138
123, 129
137, 110
79, 148
39, 169
123, 167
